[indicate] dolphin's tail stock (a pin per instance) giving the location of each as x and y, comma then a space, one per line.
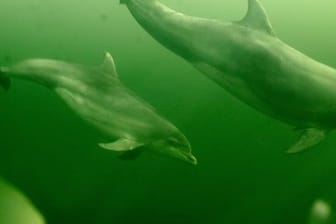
4, 78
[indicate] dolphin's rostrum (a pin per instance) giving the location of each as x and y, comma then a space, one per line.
98, 96
248, 60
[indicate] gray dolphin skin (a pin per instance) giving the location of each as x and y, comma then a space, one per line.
97, 96
248, 60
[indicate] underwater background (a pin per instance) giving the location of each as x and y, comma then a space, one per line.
243, 176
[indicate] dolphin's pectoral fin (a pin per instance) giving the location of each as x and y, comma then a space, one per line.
308, 138
109, 66
128, 148
121, 145
256, 18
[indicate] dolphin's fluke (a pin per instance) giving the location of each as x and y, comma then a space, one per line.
308, 138
122, 145
4, 79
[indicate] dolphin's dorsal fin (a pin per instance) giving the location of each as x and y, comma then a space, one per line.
108, 65
256, 18
308, 138
122, 145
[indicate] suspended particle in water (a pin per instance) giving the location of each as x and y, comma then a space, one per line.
104, 17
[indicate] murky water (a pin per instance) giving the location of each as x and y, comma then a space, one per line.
243, 175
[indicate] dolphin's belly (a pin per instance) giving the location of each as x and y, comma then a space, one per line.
298, 98
294, 87
293, 95
234, 85
275, 79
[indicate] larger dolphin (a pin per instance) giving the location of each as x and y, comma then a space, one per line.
248, 60
98, 96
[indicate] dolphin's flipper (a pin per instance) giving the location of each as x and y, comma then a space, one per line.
122, 145
256, 18
4, 79
308, 138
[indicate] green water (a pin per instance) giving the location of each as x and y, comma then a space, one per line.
243, 175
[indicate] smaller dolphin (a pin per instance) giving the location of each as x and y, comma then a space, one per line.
97, 96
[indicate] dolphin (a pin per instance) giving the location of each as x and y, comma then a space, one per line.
249, 61
97, 96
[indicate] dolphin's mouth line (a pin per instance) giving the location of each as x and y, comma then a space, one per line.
191, 159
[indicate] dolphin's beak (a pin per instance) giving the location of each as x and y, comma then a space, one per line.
189, 158
177, 149
184, 155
